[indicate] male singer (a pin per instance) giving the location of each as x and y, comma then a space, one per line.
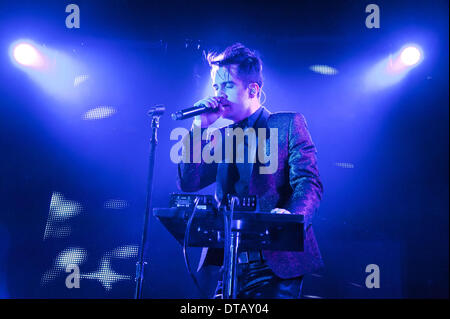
294, 188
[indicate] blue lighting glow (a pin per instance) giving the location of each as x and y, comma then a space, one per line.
116, 204
411, 55
28, 55
69, 256
395, 67
323, 69
61, 209
104, 273
98, 113
53, 70
80, 79
345, 165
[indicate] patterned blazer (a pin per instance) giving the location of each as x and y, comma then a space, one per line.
294, 186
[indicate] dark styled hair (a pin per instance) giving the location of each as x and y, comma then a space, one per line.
249, 64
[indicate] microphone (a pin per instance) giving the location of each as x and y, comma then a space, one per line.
190, 112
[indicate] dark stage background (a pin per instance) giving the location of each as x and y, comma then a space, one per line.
73, 186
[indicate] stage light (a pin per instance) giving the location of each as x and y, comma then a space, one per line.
80, 79
54, 71
323, 69
104, 273
69, 256
126, 251
116, 204
61, 210
98, 113
410, 55
345, 165
395, 67
406, 58
28, 55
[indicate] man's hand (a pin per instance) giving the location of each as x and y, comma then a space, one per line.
280, 211
206, 119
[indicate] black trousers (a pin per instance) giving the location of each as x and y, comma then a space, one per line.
257, 281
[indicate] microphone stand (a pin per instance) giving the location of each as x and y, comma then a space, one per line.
155, 113
231, 249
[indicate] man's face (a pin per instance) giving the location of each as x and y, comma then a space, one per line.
235, 95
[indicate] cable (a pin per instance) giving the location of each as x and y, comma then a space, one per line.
227, 229
185, 245
234, 199
265, 97
226, 254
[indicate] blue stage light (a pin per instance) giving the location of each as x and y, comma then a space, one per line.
54, 71
345, 165
395, 67
116, 204
406, 58
98, 113
410, 55
323, 69
28, 55
69, 256
126, 251
80, 79
61, 210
